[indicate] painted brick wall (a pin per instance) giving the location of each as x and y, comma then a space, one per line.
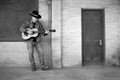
13, 54
71, 28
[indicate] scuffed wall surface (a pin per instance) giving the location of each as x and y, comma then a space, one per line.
13, 54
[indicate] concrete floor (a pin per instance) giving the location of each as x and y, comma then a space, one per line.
106, 73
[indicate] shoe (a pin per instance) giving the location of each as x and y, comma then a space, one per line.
33, 68
44, 67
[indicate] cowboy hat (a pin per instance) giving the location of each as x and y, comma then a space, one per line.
35, 14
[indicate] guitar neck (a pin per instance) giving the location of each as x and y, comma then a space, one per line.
52, 30
36, 30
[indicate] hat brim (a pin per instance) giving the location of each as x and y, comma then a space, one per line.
36, 16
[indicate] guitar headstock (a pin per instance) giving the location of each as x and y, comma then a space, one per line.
52, 30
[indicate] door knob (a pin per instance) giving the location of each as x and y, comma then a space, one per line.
100, 42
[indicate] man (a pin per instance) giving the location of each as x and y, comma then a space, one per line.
27, 29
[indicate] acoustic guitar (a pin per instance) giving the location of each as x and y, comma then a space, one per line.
32, 33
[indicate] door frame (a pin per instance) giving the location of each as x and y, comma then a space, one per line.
103, 34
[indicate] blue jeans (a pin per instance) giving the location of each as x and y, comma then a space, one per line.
30, 46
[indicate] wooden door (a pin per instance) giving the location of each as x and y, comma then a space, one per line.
92, 36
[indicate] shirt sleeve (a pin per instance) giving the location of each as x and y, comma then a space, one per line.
41, 29
23, 26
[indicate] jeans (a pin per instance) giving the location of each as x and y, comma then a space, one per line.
31, 45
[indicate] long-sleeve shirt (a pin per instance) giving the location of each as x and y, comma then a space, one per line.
38, 25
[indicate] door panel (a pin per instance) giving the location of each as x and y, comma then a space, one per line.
92, 27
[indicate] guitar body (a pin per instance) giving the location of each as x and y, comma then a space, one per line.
25, 37
30, 33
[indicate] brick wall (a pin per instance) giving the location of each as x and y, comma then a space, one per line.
13, 54
71, 28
